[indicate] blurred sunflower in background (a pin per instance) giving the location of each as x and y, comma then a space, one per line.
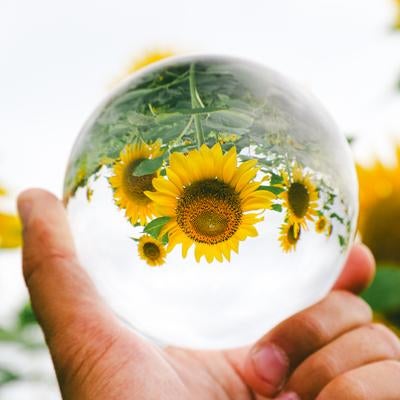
379, 229
148, 58
397, 18
380, 209
10, 228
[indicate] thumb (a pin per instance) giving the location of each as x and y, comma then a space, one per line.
64, 299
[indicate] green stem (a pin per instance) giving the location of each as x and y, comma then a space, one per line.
196, 103
186, 128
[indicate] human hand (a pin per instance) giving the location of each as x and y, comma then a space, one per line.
328, 351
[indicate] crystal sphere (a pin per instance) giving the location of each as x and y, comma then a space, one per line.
210, 198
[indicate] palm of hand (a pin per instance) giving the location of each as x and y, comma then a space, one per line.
116, 364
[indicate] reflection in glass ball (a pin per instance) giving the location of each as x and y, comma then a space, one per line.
210, 198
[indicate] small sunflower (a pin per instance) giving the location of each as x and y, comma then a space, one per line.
300, 197
290, 235
322, 225
151, 250
329, 230
209, 198
128, 188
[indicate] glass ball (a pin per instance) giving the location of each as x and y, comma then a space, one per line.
210, 198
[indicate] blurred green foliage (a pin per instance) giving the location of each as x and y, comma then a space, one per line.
20, 332
384, 293
7, 376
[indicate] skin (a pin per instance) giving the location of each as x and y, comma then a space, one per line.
96, 357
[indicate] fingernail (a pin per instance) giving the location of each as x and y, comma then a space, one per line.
288, 396
271, 365
24, 210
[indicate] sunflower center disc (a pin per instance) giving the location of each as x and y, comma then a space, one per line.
151, 251
135, 186
292, 237
209, 211
299, 199
321, 224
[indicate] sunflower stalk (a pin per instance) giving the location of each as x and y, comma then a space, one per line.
196, 103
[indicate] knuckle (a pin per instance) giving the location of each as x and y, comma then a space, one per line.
322, 368
344, 387
311, 328
387, 336
350, 300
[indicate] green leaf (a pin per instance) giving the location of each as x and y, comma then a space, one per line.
275, 179
338, 217
273, 189
342, 240
164, 239
384, 293
7, 376
229, 119
153, 228
147, 167
26, 317
277, 207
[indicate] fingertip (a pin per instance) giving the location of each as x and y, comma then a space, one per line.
29, 197
33, 194
368, 259
359, 270
365, 262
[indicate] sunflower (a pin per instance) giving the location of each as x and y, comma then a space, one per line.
128, 188
300, 197
10, 228
208, 198
148, 58
151, 250
10, 231
380, 209
322, 225
397, 18
142, 61
290, 235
